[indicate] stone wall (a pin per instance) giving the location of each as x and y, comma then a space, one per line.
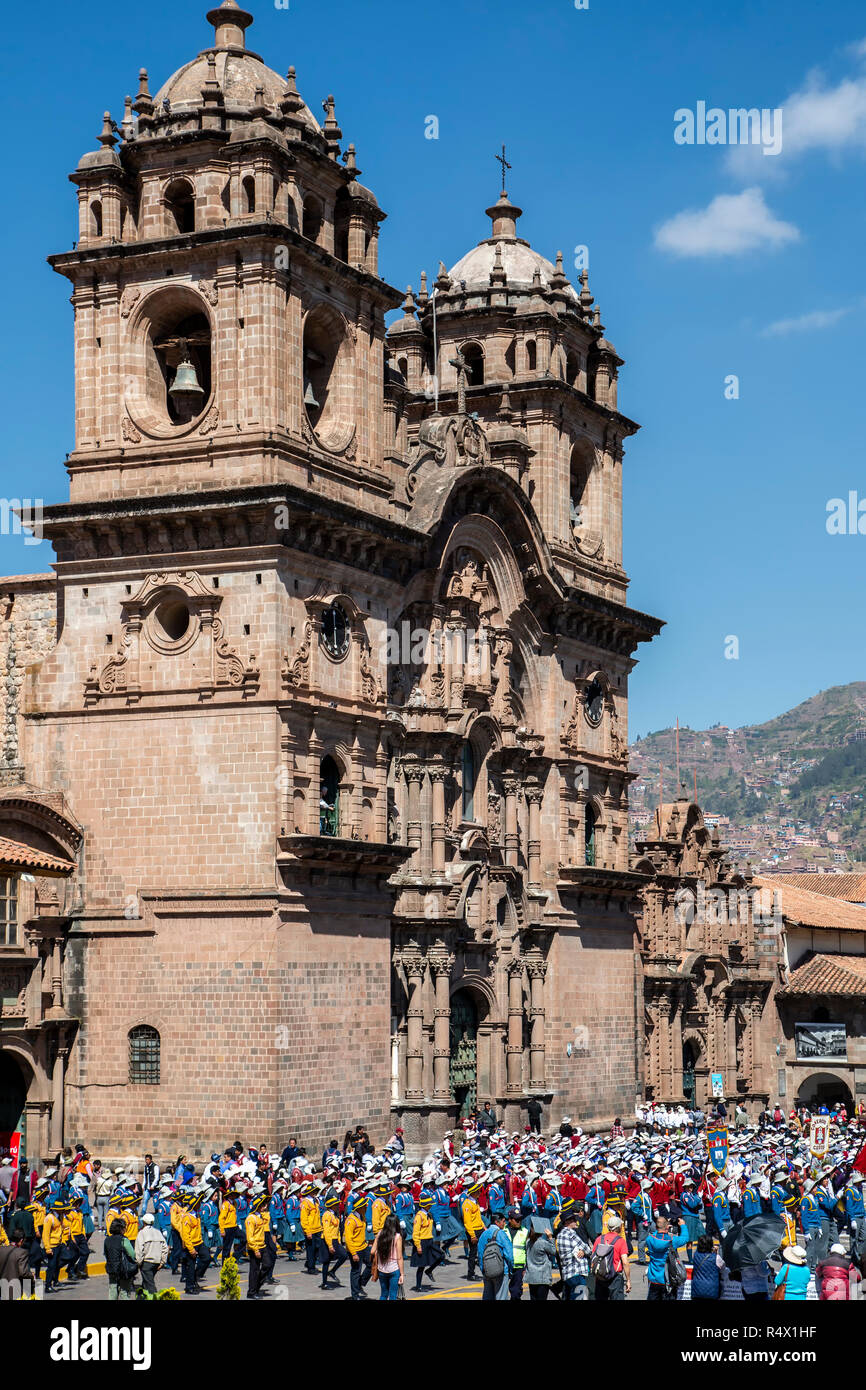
28, 628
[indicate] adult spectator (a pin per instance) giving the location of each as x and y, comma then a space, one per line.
497, 1263
838, 1277
105, 1184
754, 1280
486, 1118
540, 1259
388, 1253
534, 1111
706, 1271
15, 1275
573, 1255
149, 1184
609, 1264
151, 1253
119, 1262
794, 1275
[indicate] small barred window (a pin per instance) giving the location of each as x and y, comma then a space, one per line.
144, 1056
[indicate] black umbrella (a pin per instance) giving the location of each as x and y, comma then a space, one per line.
751, 1241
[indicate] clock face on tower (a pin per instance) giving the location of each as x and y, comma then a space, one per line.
594, 702
335, 631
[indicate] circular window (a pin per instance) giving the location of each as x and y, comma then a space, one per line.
173, 619
171, 626
594, 702
335, 631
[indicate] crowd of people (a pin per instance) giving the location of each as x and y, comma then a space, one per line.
564, 1213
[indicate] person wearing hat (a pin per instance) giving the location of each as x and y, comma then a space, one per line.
404, 1206
855, 1214
151, 1253
609, 1263
76, 1249
228, 1224
196, 1257
333, 1251
573, 1254
52, 1241
357, 1245
473, 1224
311, 1225
294, 1235
105, 1183
721, 1209
641, 1208
519, 1235
810, 1220
255, 1229
498, 1266
794, 1274
426, 1254
692, 1208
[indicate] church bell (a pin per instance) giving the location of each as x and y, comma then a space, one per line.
185, 382
309, 395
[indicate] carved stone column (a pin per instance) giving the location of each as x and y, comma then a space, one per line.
438, 774
535, 796
414, 963
442, 966
665, 1057
514, 1051
512, 834
57, 1079
414, 773
537, 971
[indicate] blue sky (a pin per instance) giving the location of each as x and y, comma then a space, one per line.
706, 262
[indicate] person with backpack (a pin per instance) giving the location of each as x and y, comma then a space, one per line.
609, 1264
838, 1277
540, 1260
661, 1245
120, 1265
496, 1258
572, 1252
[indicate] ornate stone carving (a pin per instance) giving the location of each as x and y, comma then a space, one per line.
296, 673
210, 290
128, 300
210, 421
129, 431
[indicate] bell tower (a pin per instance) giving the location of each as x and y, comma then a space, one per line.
229, 315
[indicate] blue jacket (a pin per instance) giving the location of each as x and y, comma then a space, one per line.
853, 1202
495, 1232
496, 1197
721, 1210
657, 1249
751, 1202
706, 1280
404, 1207
642, 1207
810, 1213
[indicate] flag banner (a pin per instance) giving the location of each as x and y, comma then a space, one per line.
717, 1148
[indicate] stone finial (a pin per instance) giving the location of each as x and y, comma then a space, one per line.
351, 163
127, 125
143, 103
331, 130
585, 297
443, 279
504, 215
537, 282
259, 106
408, 306
423, 296
291, 100
497, 270
596, 318
559, 279
505, 414
107, 136
229, 22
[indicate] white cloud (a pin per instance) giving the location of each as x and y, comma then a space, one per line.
818, 117
729, 225
805, 323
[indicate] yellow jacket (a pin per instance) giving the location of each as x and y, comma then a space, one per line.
311, 1217
175, 1214
37, 1211
74, 1225
380, 1211
423, 1227
131, 1218
355, 1234
114, 1215
330, 1227
4, 1239
190, 1231
255, 1229
472, 1217
228, 1217
52, 1232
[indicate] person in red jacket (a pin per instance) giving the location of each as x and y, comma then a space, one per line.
837, 1276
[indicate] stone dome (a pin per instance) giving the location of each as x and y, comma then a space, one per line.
239, 72
519, 262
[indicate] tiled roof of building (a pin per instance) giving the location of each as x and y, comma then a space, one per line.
807, 909
825, 974
15, 854
850, 887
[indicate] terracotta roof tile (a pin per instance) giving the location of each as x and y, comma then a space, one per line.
21, 856
826, 974
850, 887
800, 906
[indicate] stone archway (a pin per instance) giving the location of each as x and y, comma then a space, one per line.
13, 1093
824, 1088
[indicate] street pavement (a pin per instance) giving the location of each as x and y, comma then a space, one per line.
292, 1283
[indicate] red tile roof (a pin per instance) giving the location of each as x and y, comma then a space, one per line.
826, 974
20, 856
850, 887
803, 908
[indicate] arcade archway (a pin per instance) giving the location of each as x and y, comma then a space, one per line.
823, 1088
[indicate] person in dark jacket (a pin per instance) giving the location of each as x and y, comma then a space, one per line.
533, 1109
706, 1273
16, 1280
116, 1243
21, 1220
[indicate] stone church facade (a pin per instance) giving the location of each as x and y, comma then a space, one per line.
314, 785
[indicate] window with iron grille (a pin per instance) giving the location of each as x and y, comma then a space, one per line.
144, 1056
8, 911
